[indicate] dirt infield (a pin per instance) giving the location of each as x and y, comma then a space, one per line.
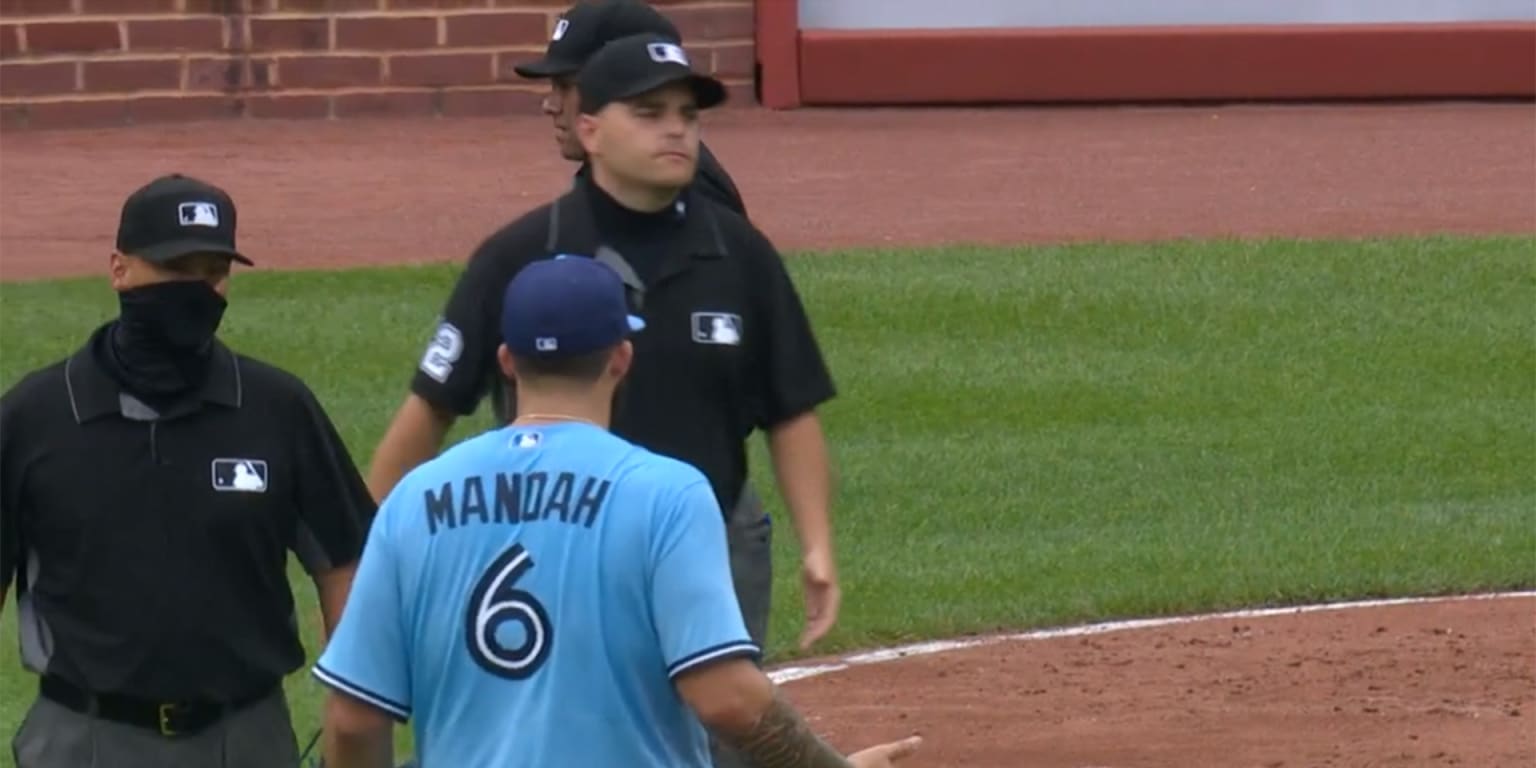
1438, 684
1445, 684
353, 192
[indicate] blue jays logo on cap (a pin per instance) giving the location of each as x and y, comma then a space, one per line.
566, 306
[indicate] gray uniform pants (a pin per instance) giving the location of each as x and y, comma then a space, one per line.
749, 534
259, 736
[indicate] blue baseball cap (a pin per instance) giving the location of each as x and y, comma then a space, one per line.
563, 307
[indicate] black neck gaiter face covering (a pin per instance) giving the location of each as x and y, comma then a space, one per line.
159, 347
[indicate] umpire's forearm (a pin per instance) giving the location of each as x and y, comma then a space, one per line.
413, 438
356, 750
803, 467
332, 588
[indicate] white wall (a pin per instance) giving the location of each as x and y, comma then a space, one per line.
939, 14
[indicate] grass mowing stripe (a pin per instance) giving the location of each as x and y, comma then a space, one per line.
1056, 435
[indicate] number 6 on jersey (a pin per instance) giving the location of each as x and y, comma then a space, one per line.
495, 602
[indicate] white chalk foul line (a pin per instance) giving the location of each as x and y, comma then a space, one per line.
790, 673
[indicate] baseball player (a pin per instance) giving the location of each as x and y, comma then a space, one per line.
549, 595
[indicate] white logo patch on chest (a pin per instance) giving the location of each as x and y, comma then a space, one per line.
240, 475
717, 328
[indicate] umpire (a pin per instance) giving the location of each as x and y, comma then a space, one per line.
579, 33
728, 349
151, 486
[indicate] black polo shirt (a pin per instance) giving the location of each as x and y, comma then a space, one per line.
154, 546
727, 346
711, 180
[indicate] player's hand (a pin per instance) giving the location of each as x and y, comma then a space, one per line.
886, 755
823, 597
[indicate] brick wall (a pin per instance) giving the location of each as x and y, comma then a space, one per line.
81, 63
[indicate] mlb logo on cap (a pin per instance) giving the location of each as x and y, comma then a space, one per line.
662, 53
632, 66
198, 214
174, 216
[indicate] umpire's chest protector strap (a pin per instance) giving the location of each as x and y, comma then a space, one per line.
588, 240
603, 253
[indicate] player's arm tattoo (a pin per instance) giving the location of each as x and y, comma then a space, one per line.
782, 739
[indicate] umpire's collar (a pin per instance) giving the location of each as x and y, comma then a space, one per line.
93, 393
699, 237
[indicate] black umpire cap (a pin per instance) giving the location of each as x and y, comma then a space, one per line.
176, 215
639, 64
587, 26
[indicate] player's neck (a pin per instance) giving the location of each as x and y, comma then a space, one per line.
555, 407
636, 197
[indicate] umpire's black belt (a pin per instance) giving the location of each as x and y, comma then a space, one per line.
170, 719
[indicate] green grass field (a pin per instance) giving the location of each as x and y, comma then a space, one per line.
1042, 436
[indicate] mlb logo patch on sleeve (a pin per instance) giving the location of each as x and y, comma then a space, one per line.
242, 475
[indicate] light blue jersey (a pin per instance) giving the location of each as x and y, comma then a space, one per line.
527, 598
